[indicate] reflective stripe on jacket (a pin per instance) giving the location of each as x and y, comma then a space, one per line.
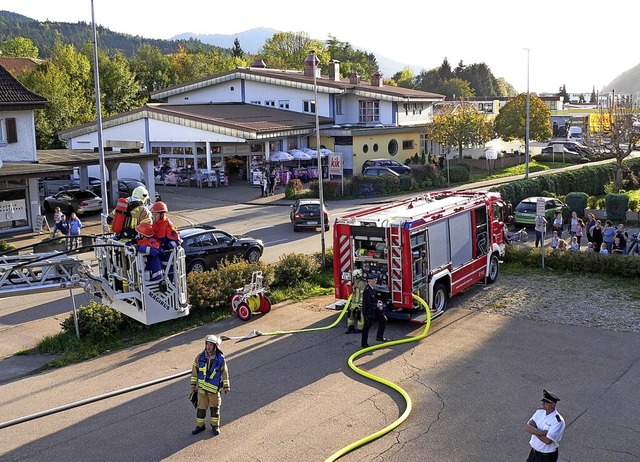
211, 375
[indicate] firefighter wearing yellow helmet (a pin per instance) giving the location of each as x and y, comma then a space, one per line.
209, 375
137, 212
355, 319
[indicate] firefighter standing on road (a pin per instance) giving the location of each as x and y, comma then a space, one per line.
372, 310
209, 376
355, 320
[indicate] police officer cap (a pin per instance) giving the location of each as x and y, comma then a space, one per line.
549, 397
371, 276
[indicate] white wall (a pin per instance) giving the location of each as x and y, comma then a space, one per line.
227, 92
25, 149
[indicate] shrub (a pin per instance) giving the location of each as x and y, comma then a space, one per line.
616, 206
294, 268
98, 321
294, 187
458, 173
4, 246
633, 205
577, 202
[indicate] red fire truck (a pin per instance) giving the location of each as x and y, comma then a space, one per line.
434, 245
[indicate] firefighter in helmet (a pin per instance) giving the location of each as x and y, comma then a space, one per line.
137, 212
209, 376
355, 319
147, 245
164, 231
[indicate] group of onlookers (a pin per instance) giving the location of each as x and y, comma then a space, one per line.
67, 227
607, 239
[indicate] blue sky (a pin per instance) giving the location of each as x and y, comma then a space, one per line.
582, 44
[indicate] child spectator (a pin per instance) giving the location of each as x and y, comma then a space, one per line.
554, 240
557, 224
562, 244
603, 249
618, 248
62, 229
579, 231
589, 248
574, 244
57, 215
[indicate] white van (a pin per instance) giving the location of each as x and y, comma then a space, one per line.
575, 134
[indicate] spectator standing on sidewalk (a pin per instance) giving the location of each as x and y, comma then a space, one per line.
596, 235
590, 224
608, 234
74, 231
557, 223
579, 231
540, 227
573, 223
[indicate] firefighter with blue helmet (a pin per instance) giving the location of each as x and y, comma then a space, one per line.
355, 319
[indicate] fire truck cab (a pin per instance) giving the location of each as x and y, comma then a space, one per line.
434, 245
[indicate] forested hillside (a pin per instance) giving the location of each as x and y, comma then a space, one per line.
43, 35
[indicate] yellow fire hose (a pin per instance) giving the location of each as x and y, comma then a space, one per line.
357, 370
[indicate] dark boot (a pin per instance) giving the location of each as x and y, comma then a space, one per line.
198, 430
216, 431
350, 330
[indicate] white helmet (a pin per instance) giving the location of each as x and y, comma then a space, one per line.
357, 273
141, 194
217, 341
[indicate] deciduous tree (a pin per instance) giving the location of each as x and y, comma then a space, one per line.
19, 47
459, 124
511, 123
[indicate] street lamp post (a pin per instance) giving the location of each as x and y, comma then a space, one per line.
526, 136
320, 191
96, 78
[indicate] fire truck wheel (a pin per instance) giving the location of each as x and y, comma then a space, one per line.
243, 311
265, 304
494, 269
440, 298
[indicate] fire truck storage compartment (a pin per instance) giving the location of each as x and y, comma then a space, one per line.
370, 253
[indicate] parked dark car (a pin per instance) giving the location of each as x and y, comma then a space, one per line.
305, 213
379, 171
206, 247
125, 186
390, 163
74, 200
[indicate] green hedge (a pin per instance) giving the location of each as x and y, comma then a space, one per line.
625, 266
590, 180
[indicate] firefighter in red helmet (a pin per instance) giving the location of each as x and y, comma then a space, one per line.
147, 245
164, 231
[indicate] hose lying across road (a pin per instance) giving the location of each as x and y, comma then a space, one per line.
256, 333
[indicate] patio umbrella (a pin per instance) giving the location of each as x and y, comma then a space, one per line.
325, 152
299, 155
280, 156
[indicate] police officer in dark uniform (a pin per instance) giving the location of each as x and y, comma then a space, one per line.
372, 310
546, 428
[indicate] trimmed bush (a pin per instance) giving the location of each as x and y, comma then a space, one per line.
458, 173
577, 202
626, 266
616, 206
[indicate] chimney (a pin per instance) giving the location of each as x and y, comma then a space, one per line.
259, 64
354, 78
334, 70
377, 79
308, 66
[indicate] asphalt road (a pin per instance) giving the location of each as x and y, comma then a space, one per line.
474, 382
